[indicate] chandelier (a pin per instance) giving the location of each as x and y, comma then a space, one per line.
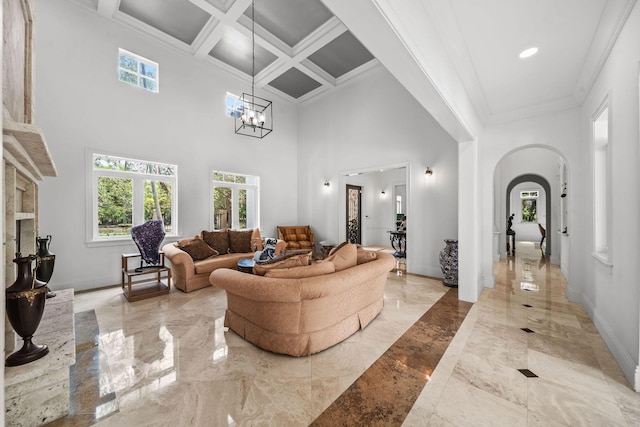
256, 117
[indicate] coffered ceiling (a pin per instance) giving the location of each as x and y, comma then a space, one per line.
301, 48
447, 49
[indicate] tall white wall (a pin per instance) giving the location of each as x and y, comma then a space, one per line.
369, 123
82, 106
611, 293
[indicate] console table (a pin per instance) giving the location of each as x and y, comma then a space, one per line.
135, 286
399, 243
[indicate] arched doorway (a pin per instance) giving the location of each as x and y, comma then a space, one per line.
547, 189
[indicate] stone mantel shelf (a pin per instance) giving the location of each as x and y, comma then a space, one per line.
24, 215
26, 144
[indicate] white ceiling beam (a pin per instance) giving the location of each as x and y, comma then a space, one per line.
421, 66
210, 35
307, 46
107, 8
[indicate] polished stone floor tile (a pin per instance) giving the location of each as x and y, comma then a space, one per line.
426, 360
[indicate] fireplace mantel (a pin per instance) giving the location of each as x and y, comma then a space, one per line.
25, 147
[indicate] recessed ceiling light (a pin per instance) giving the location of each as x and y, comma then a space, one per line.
528, 52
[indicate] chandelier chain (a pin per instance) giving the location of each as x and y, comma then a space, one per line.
253, 47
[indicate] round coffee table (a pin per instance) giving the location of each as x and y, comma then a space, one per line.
245, 265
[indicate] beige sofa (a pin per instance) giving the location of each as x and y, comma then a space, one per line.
302, 316
190, 274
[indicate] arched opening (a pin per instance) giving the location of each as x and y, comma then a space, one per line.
546, 169
547, 190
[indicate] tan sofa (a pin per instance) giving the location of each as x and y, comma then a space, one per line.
189, 274
302, 316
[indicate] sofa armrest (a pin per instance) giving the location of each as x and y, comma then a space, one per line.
281, 247
180, 260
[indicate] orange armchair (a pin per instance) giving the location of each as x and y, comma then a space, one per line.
298, 237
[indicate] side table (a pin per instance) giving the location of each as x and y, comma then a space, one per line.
135, 286
245, 265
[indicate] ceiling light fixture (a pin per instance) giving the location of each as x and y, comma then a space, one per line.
256, 119
528, 52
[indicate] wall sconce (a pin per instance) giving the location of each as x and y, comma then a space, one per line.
382, 193
428, 172
327, 184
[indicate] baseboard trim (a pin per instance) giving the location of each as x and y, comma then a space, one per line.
624, 359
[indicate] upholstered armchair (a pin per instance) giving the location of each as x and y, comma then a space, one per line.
297, 237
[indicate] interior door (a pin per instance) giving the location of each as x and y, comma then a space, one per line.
354, 213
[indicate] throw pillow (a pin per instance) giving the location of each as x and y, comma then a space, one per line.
317, 269
197, 249
345, 257
186, 240
366, 256
287, 261
240, 241
334, 250
218, 240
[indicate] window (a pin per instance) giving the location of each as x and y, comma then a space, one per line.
137, 71
529, 206
528, 194
601, 183
235, 200
127, 192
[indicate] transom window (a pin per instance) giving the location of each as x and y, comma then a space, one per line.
528, 194
127, 192
235, 201
138, 71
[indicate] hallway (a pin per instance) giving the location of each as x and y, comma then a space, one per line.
527, 323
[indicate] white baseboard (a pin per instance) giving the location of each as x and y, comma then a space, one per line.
624, 359
490, 281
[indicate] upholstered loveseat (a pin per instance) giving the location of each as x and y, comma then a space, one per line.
286, 312
194, 258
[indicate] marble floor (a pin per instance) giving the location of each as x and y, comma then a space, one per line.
521, 356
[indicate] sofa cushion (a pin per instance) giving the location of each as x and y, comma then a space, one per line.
287, 261
197, 248
217, 239
240, 241
206, 266
317, 269
345, 257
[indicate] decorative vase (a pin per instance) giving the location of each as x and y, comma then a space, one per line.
449, 263
46, 262
25, 305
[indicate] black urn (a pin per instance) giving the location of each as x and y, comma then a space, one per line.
46, 262
25, 300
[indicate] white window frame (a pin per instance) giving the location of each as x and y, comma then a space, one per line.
235, 187
138, 179
142, 60
601, 171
